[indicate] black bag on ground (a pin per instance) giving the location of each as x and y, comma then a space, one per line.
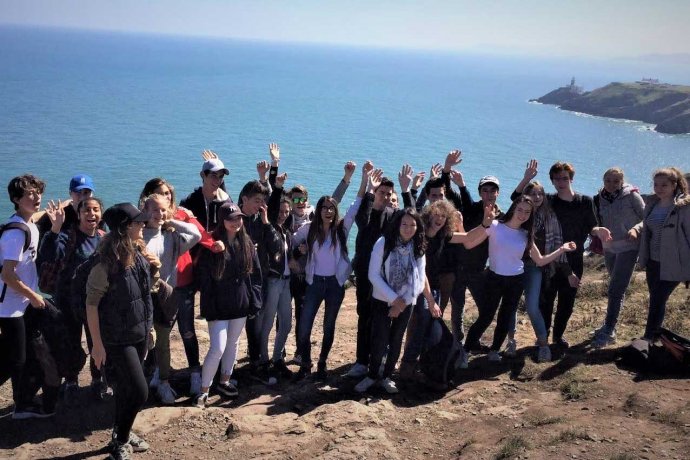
438, 360
671, 355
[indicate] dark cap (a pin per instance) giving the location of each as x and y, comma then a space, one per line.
81, 182
123, 214
228, 211
489, 180
214, 165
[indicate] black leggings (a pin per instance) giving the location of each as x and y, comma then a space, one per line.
12, 352
124, 365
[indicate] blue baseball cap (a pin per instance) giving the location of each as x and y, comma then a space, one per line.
81, 182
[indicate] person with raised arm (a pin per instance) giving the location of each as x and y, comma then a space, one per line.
70, 246
510, 237
81, 186
19, 285
205, 200
397, 274
575, 213
373, 216
664, 236
324, 241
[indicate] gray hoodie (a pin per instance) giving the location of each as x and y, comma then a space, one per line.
619, 216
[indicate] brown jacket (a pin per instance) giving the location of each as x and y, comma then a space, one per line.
675, 240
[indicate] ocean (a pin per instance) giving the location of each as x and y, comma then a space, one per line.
125, 108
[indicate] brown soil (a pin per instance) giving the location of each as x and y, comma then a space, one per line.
582, 405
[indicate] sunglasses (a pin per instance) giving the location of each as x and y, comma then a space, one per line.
299, 200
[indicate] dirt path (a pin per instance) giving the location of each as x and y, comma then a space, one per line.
581, 406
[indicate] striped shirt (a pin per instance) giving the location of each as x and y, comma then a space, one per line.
655, 222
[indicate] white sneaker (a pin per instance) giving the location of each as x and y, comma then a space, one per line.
195, 383
357, 371
166, 394
511, 349
364, 385
155, 379
201, 400
494, 357
389, 385
544, 354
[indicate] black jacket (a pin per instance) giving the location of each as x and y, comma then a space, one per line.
371, 224
125, 312
233, 296
195, 202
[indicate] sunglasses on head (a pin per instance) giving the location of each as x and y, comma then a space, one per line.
298, 200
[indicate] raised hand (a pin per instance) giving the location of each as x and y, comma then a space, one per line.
405, 178
280, 180
435, 171
262, 168
375, 178
457, 178
349, 169
418, 180
209, 155
263, 212
274, 151
489, 214
453, 158
531, 170
56, 214
367, 167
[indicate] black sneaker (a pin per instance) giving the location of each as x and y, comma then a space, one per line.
135, 442
227, 389
27, 412
262, 373
100, 390
561, 343
477, 348
321, 374
282, 370
70, 393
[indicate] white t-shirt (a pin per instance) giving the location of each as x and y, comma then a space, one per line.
325, 262
13, 304
506, 249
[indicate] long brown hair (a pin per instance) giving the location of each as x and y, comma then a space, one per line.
243, 251
674, 176
318, 233
150, 188
528, 225
118, 251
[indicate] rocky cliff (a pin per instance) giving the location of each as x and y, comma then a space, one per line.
666, 106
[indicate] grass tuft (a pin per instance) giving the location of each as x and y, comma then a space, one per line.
511, 448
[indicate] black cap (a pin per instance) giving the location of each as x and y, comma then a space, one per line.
228, 211
123, 214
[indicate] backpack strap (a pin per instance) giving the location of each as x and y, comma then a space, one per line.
19, 226
596, 208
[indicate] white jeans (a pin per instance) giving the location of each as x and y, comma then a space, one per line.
224, 336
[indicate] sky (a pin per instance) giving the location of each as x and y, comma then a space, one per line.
600, 29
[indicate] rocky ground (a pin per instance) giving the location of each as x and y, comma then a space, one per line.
582, 405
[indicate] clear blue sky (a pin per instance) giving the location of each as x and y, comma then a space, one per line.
602, 28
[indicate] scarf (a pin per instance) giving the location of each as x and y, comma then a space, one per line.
610, 197
401, 270
552, 235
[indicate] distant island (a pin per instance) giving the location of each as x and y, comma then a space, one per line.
667, 106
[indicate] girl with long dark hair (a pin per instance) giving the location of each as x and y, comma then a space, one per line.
510, 239
230, 288
397, 274
119, 313
324, 241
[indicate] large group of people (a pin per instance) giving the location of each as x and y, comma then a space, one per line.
127, 274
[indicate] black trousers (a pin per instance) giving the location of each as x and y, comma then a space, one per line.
363, 294
386, 332
558, 287
502, 294
298, 289
12, 353
125, 369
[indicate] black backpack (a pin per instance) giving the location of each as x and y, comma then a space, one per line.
78, 286
27, 242
438, 360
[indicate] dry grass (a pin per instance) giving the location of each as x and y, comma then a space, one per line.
511, 448
570, 435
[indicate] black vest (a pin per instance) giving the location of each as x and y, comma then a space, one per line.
125, 312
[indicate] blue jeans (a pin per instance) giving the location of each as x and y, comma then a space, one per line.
185, 323
620, 267
418, 330
323, 289
659, 292
277, 301
532, 282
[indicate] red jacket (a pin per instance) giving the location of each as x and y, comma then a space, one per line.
185, 275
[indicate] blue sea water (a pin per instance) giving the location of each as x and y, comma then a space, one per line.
126, 108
